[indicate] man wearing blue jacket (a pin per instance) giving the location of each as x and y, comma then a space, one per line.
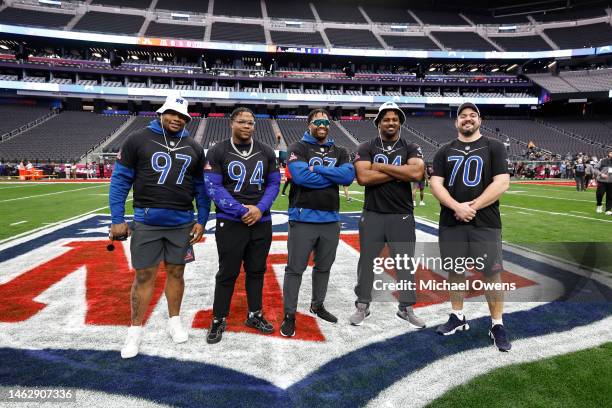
165, 167
317, 167
242, 178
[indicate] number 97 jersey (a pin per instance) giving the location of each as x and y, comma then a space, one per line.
468, 169
245, 171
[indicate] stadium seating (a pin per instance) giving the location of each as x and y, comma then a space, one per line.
217, 129
412, 42
293, 130
297, 38
282, 9
244, 33
523, 43
489, 19
342, 13
389, 15
15, 116
362, 130
240, 8
569, 15
591, 35
164, 30
34, 18
110, 23
66, 136
593, 129
589, 80
190, 6
352, 38
440, 18
137, 4
465, 41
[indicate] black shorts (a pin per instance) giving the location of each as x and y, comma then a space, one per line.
483, 245
150, 244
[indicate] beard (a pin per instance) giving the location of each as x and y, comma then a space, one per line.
469, 132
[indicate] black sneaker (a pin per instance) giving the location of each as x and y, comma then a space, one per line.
452, 325
323, 314
257, 321
288, 327
216, 331
500, 337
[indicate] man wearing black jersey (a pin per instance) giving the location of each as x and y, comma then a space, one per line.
317, 166
165, 167
470, 174
385, 166
242, 178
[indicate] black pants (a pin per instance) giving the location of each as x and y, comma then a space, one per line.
287, 182
604, 189
238, 243
579, 181
376, 230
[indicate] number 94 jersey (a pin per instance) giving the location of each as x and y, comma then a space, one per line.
244, 173
467, 169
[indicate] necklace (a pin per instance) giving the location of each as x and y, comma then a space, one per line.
168, 147
389, 148
244, 152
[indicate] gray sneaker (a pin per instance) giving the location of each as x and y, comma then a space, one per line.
362, 313
407, 313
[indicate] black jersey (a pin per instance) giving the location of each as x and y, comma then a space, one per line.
468, 168
163, 174
245, 173
395, 196
321, 198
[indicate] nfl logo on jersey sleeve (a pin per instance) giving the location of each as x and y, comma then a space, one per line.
65, 311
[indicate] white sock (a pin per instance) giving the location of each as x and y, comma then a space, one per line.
135, 329
495, 321
458, 313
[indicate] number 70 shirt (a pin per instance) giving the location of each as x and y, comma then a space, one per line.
243, 177
468, 169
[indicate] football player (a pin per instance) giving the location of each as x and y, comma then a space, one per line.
242, 178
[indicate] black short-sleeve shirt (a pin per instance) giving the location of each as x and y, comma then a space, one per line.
395, 196
244, 173
467, 169
163, 174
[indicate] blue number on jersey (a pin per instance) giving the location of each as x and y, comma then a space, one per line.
165, 168
381, 158
317, 161
240, 176
458, 160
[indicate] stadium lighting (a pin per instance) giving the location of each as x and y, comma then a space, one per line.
258, 64
293, 23
473, 69
159, 59
97, 55
432, 69
453, 69
134, 57
4, 47
511, 67
551, 64
495, 69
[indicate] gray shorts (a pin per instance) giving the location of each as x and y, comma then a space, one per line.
151, 244
467, 241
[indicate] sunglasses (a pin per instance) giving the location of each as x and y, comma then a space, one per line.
320, 122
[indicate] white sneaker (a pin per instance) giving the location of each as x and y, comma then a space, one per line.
608, 212
414, 203
176, 330
132, 342
599, 209
422, 204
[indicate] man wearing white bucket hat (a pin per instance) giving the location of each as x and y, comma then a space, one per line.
165, 167
386, 166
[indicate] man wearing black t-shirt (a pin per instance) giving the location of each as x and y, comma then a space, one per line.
242, 178
470, 174
386, 165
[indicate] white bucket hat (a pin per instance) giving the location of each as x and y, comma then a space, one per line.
176, 103
389, 106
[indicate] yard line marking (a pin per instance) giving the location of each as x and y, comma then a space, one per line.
48, 194
579, 212
17, 223
352, 198
555, 213
523, 212
52, 225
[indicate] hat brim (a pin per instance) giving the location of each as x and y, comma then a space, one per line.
380, 115
163, 110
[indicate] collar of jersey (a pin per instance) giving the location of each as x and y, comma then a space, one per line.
155, 126
308, 138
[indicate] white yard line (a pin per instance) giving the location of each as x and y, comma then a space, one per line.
523, 212
554, 213
17, 223
52, 225
48, 194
